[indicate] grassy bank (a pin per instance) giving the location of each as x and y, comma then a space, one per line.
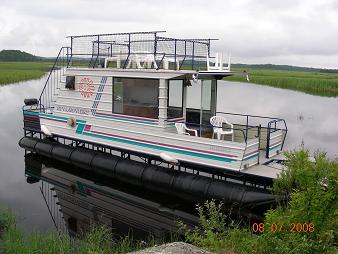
11, 72
98, 240
316, 83
306, 223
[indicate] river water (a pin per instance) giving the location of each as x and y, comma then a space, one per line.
311, 120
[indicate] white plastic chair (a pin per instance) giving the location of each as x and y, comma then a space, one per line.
217, 123
218, 66
137, 57
112, 59
182, 129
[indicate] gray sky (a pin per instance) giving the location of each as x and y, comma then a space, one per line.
297, 32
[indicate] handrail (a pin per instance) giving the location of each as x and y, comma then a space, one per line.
51, 71
49, 89
245, 137
269, 132
238, 114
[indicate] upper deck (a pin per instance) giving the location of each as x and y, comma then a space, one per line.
143, 50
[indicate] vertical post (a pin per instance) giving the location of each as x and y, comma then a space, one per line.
71, 50
247, 123
155, 50
201, 108
268, 140
127, 59
163, 102
184, 102
175, 52
259, 140
193, 55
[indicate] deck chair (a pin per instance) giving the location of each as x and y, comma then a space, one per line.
217, 123
218, 65
184, 130
138, 57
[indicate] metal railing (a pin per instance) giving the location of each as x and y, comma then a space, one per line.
50, 89
272, 125
95, 48
243, 131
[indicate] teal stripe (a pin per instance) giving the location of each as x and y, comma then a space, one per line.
54, 116
30, 113
274, 147
126, 120
80, 127
167, 149
251, 157
60, 117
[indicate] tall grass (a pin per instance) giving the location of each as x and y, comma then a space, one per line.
11, 72
99, 240
315, 83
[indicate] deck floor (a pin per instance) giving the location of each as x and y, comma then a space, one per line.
269, 170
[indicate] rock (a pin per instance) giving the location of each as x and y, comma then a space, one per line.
173, 248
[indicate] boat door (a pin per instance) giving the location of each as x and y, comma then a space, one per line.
201, 102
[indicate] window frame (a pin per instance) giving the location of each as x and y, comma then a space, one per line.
113, 94
168, 101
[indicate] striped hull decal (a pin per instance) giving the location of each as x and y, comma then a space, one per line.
85, 129
98, 95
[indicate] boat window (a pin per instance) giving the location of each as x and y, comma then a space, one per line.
70, 82
175, 98
194, 95
136, 97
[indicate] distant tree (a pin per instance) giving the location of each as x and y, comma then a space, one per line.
16, 55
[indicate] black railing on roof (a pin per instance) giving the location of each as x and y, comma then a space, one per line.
190, 53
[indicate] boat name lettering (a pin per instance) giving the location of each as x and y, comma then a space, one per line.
81, 111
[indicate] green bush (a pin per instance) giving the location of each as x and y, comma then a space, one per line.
311, 187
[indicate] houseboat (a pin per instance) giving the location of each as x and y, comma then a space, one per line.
154, 97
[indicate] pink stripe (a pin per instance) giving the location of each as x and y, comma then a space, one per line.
248, 154
172, 146
129, 117
31, 116
87, 128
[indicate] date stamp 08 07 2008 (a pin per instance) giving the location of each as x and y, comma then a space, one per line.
276, 227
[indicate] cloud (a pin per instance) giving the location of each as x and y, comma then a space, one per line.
303, 31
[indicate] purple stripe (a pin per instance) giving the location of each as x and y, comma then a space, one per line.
172, 146
31, 116
128, 117
176, 119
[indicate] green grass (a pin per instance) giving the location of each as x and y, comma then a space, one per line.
315, 83
98, 240
11, 72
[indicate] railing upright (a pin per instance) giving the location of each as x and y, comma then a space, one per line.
49, 90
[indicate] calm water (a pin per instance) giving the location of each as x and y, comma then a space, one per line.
311, 119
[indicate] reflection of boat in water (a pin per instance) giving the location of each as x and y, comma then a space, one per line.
77, 199
156, 101
146, 199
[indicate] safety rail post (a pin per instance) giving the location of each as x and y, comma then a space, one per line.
193, 55
155, 49
127, 59
49, 89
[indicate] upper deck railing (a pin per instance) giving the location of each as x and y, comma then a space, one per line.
92, 50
